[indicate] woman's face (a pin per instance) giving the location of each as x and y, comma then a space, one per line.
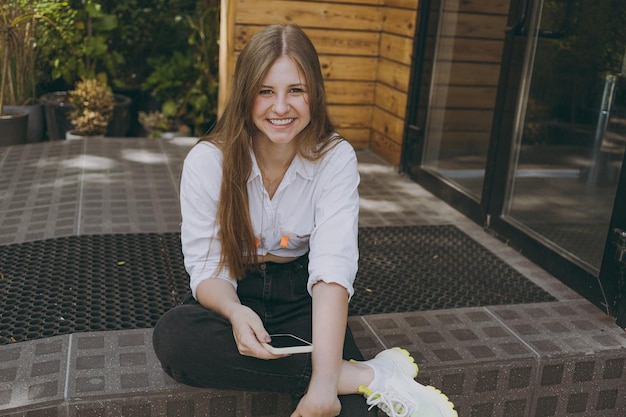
281, 108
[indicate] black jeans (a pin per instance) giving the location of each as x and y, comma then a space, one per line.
196, 346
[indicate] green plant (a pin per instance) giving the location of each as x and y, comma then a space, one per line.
187, 81
587, 44
18, 42
156, 123
146, 29
92, 107
83, 50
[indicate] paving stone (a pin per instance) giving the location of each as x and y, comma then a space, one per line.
562, 329
33, 373
545, 359
563, 358
201, 403
114, 364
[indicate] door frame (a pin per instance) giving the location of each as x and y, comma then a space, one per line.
488, 212
613, 269
413, 143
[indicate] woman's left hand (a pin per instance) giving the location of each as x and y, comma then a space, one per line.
318, 402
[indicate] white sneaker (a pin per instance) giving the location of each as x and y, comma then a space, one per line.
394, 390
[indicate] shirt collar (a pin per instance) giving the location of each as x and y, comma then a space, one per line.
299, 166
256, 171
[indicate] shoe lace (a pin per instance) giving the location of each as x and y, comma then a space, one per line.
391, 402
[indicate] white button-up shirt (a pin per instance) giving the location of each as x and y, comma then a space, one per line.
315, 209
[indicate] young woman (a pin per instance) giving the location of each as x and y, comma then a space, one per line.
270, 206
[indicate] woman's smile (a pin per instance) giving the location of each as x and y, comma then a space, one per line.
281, 122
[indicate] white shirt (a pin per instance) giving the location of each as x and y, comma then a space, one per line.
315, 209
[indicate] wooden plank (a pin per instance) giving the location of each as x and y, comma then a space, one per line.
467, 120
478, 140
475, 74
374, 2
470, 49
470, 74
399, 21
388, 124
348, 68
394, 74
228, 11
500, 7
386, 148
464, 97
350, 116
350, 92
402, 4
342, 68
332, 42
359, 138
311, 14
396, 48
474, 25
391, 100
342, 42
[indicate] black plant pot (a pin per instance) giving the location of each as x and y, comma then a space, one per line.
57, 110
120, 124
13, 127
36, 121
56, 107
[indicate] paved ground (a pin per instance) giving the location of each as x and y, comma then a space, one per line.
550, 359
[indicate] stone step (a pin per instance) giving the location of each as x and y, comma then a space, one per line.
525, 360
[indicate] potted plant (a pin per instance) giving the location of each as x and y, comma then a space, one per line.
91, 111
18, 40
83, 54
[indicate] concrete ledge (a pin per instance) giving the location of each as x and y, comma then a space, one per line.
539, 360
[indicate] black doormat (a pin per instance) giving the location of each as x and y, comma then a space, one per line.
127, 281
419, 268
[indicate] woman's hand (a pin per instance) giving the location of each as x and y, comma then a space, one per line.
319, 401
250, 333
248, 330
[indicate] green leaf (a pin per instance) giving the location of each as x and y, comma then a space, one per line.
94, 10
106, 23
96, 46
169, 108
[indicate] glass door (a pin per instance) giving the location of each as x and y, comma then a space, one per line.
457, 64
463, 85
517, 118
570, 127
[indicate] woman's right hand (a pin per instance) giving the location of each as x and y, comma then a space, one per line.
248, 329
250, 333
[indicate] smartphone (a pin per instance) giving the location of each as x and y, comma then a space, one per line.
282, 344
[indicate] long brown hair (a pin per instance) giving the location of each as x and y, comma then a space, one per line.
234, 131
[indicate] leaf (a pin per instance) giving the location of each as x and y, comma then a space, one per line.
170, 108
107, 22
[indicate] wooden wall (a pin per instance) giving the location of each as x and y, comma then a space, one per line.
365, 51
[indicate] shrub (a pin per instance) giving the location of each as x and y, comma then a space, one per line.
92, 107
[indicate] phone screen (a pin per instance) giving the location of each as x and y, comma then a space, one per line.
286, 340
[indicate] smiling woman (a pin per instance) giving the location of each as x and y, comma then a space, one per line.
263, 199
